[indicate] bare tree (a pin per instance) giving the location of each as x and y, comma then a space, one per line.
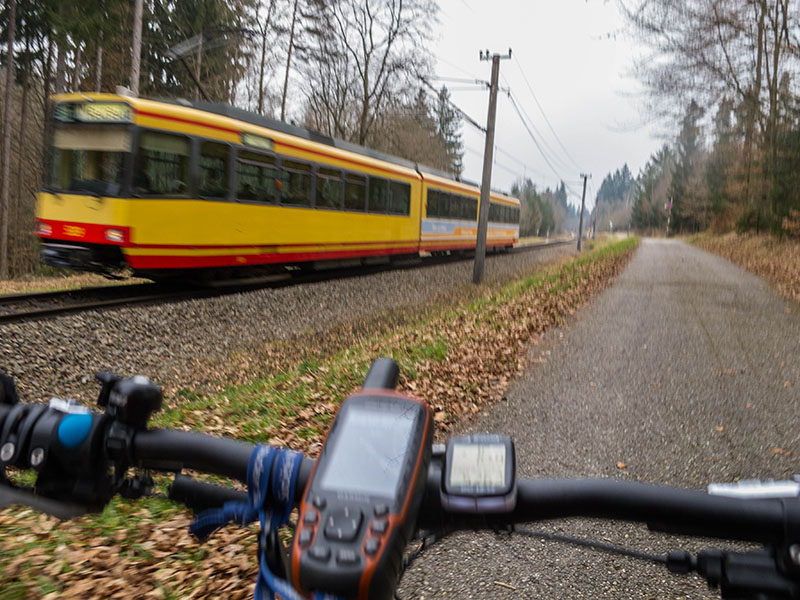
364, 50
711, 49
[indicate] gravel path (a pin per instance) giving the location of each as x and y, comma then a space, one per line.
174, 343
682, 345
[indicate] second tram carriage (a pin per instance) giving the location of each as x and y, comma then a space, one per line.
169, 189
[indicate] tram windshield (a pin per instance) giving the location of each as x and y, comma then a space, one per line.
89, 159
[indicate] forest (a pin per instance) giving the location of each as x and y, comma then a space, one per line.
352, 69
723, 76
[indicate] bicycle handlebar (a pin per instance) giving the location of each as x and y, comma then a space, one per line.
93, 468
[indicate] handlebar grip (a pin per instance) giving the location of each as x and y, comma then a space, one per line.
383, 374
200, 495
169, 450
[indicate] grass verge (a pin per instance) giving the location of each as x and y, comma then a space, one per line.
777, 261
459, 357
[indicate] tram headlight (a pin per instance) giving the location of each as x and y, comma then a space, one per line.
44, 229
115, 235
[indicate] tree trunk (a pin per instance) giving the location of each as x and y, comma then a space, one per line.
262, 66
98, 67
198, 64
136, 47
754, 100
7, 142
48, 74
76, 73
288, 60
22, 118
61, 68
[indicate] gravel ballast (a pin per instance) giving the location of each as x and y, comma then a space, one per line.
176, 344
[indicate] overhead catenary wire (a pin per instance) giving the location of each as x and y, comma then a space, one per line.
560, 162
536, 100
464, 115
539, 147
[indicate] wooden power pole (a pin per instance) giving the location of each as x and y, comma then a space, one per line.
583, 204
486, 182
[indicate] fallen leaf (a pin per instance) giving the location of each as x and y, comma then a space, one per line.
719, 428
621, 465
782, 451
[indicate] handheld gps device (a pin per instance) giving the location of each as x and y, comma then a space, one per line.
479, 474
360, 506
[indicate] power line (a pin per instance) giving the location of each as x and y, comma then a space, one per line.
538, 146
464, 115
535, 99
562, 164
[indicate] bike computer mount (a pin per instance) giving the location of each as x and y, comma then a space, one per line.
478, 474
360, 507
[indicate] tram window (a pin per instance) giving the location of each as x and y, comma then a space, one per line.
400, 198
296, 183
213, 170
355, 192
444, 205
433, 203
255, 177
472, 209
162, 164
378, 195
463, 207
329, 188
493, 213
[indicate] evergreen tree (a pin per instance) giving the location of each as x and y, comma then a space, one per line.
448, 123
689, 148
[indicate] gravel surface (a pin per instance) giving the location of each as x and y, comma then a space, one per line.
177, 344
688, 371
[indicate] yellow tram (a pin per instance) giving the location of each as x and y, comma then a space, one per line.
169, 188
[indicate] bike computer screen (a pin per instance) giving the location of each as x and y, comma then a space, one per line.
370, 451
479, 474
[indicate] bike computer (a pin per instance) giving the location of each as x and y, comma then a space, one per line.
360, 507
479, 474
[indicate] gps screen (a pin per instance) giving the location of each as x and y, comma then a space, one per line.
369, 453
478, 465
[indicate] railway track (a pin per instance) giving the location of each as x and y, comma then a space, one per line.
41, 305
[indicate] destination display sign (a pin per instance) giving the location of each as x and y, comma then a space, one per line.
257, 141
94, 112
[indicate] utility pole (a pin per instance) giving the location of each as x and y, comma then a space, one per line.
583, 203
486, 182
136, 49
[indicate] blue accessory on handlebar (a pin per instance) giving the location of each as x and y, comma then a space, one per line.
271, 485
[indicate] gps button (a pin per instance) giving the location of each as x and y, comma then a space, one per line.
346, 557
320, 553
379, 526
372, 545
342, 524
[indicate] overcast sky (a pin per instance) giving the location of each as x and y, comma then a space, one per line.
578, 65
